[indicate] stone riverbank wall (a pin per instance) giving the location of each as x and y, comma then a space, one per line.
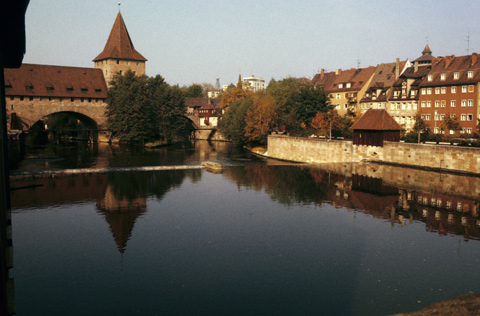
317, 150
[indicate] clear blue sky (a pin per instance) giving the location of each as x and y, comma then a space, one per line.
188, 41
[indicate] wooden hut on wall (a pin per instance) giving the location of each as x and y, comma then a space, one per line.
375, 127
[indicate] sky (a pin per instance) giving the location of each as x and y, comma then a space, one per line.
196, 41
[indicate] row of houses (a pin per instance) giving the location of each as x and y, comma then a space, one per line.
433, 87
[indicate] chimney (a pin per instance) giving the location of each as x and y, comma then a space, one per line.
474, 58
448, 60
338, 71
322, 73
397, 68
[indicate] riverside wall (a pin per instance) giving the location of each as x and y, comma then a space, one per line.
433, 157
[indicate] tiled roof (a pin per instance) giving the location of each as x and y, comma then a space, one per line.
356, 77
119, 44
427, 50
375, 119
449, 65
203, 103
55, 81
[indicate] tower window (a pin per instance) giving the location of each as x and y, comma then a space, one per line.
118, 62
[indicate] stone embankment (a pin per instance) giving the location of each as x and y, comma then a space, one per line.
431, 157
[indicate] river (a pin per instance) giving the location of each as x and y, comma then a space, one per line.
262, 237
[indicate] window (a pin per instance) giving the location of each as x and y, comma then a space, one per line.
469, 117
437, 117
455, 75
30, 98
429, 104
392, 106
395, 93
463, 117
429, 91
464, 103
464, 89
423, 104
118, 62
429, 77
349, 84
127, 63
340, 85
437, 90
412, 93
437, 104
444, 90
345, 106
469, 130
422, 116
470, 102
442, 76
453, 103
454, 89
137, 63
424, 91
470, 74
443, 103
442, 117
21, 98
120, 72
338, 96
470, 88
428, 117
337, 107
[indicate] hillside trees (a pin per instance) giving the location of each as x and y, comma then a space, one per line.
141, 109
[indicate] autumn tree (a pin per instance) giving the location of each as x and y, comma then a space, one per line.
260, 118
450, 122
234, 94
420, 127
325, 122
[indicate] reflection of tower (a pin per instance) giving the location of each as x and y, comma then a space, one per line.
121, 214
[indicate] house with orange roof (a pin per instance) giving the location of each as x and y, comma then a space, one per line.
379, 92
345, 87
451, 88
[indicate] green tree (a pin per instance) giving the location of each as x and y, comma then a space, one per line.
193, 91
141, 109
297, 103
233, 123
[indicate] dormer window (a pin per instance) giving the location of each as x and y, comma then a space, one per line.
395, 93
429, 77
8, 84
455, 75
470, 74
348, 85
340, 85
442, 76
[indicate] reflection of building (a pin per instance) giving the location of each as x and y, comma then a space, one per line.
121, 214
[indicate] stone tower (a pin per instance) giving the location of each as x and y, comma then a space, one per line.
119, 55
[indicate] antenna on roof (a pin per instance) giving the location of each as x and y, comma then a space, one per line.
468, 43
119, 6
358, 59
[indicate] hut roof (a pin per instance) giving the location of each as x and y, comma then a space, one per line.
378, 120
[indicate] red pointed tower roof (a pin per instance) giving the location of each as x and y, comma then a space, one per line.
427, 50
119, 44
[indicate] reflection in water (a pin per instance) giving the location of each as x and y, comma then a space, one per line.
256, 239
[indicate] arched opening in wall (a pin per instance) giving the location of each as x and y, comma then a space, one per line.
187, 128
62, 127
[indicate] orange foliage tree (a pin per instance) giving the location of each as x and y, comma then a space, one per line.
325, 122
260, 118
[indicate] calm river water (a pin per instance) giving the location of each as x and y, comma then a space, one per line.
260, 238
